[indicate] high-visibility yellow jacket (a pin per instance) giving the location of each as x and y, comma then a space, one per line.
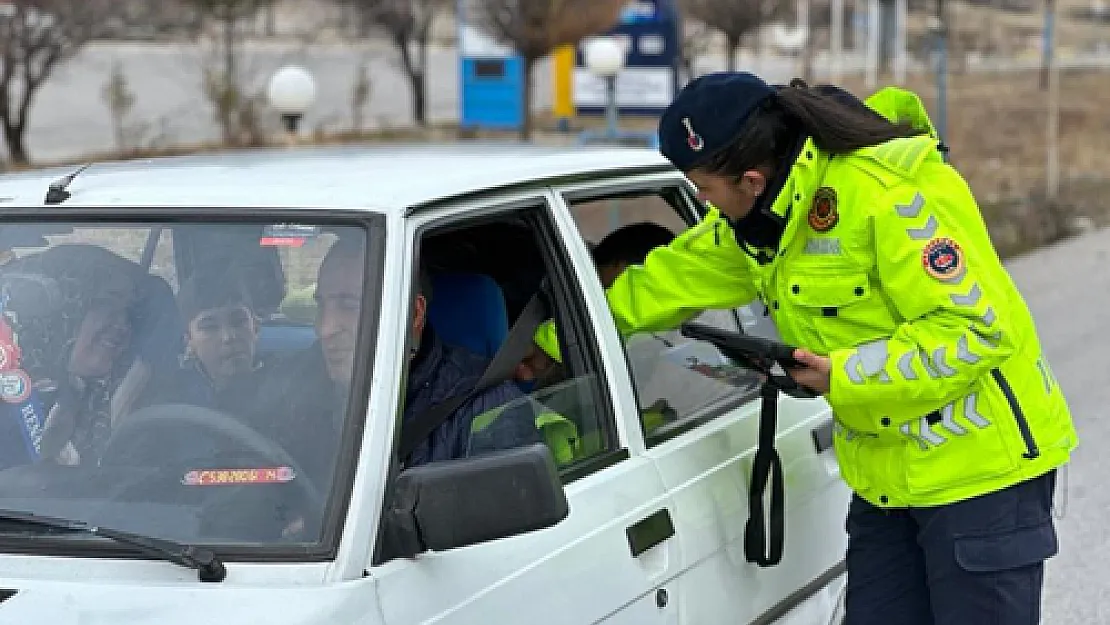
939, 387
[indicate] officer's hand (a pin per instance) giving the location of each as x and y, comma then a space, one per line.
815, 374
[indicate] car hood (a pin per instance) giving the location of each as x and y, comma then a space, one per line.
106, 603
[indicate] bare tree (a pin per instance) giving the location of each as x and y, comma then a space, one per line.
536, 27
360, 95
733, 18
120, 99
694, 42
223, 86
35, 37
408, 23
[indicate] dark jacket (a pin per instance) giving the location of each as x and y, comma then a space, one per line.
189, 384
441, 372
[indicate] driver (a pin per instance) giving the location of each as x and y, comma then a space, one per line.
438, 373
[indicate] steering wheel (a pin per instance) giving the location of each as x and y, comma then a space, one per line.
136, 432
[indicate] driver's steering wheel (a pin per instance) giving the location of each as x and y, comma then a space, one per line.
137, 431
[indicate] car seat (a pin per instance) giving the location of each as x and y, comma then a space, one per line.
468, 310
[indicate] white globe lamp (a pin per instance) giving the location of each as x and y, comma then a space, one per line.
604, 57
292, 90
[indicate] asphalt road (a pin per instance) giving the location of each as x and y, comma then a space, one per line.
1068, 288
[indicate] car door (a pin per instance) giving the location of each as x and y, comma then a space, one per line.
610, 560
704, 451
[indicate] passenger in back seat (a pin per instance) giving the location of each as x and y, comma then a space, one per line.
74, 309
219, 368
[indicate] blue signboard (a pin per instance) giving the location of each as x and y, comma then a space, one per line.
649, 81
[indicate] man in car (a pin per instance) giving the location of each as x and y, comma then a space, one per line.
438, 372
627, 245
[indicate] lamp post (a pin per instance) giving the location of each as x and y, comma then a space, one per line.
938, 25
292, 90
1050, 79
605, 58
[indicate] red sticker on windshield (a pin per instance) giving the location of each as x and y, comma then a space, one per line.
281, 241
230, 477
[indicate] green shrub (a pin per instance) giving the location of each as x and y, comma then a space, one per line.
299, 305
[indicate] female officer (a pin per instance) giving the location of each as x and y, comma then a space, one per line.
871, 255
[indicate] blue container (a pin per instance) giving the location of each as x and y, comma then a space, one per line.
492, 92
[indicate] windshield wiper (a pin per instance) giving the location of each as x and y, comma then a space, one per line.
208, 566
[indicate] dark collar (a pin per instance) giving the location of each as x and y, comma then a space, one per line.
424, 363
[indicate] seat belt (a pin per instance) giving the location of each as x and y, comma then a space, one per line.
766, 464
500, 368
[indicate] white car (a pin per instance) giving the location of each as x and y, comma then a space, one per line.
158, 467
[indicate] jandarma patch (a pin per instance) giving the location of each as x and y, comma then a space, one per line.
823, 215
943, 259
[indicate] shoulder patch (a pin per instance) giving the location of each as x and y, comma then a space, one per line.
901, 156
943, 259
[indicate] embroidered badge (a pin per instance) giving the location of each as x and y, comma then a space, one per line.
15, 386
693, 139
823, 215
943, 259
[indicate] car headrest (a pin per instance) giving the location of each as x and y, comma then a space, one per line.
468, 310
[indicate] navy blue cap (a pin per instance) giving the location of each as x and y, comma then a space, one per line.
708, 115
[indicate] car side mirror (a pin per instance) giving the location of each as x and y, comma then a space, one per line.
458, 503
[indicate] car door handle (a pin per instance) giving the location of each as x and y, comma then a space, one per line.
649, 532
823, 436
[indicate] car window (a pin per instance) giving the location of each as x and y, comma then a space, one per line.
483, 274
154, 405
678, 381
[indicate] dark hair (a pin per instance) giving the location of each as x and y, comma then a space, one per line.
630, 244
206, 292
836, 120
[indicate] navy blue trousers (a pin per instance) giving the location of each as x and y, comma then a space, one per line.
975, 562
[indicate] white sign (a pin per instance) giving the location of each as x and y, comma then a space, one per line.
649, 87
475, 43
652, 45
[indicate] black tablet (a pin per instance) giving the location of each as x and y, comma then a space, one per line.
747, 349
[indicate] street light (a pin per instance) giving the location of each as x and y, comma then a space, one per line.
605, 58
938, 26
292, 90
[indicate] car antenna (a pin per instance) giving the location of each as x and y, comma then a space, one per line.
57, 192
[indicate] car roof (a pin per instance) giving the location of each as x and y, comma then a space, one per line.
382, 177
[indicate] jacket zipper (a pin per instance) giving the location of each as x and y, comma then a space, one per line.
1031, 450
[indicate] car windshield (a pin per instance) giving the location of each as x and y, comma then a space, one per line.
186, 380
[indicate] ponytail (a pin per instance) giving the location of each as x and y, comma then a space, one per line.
837, 122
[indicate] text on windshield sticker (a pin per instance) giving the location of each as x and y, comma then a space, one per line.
221, 477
